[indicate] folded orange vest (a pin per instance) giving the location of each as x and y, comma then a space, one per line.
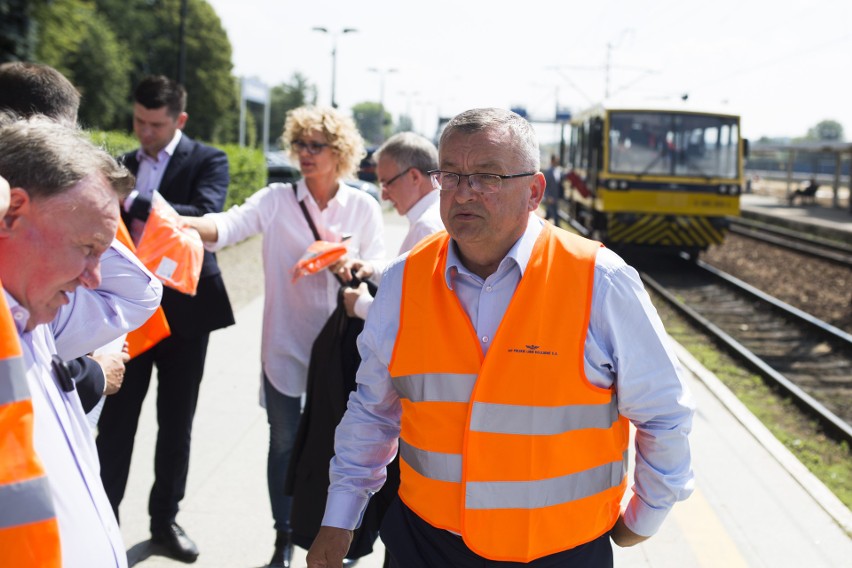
318, 255
157, 327
174, 253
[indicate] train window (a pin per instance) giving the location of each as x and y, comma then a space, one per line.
673, 144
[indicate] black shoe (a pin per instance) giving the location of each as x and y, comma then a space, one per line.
283, 555
175, 542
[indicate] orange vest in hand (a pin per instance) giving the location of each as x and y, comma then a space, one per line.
156, 328
515, 451
29, 532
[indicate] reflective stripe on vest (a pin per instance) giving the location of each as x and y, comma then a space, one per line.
13, 386
25, 502
29, 532
515, 451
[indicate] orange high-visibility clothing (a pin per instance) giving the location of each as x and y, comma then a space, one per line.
29, 532
515, 451
156, 328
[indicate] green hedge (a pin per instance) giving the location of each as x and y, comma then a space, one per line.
247, 165
114, 142
248, 172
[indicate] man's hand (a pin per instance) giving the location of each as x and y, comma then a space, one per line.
347, 267
112, 365
624, 537
350, 297
361, 268
329, 548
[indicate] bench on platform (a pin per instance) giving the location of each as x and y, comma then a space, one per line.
805, 195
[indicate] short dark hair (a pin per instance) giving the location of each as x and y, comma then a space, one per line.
157, 91
32, 88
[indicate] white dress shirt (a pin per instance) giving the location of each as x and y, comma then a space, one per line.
424, 218
148, 178
295, 312
626, 348
128, 296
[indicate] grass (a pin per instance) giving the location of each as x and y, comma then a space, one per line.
830, 461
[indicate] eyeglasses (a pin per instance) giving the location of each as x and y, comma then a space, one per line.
480, 183
313, 148
396, 177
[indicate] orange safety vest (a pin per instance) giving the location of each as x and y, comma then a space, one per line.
516, 451
29, 532
156, 328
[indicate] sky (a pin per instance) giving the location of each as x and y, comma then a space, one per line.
782, 65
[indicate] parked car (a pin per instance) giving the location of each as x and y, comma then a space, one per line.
370, 188
367, 167
279, 169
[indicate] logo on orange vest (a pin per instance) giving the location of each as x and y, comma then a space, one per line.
531, 350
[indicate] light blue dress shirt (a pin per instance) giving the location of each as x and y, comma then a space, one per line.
128, 295
626, 348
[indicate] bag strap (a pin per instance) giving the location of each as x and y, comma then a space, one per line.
311, 224
308, 217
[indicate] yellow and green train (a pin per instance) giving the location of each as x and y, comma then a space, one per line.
655, 177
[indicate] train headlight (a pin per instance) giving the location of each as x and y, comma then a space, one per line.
723, 189
612, 184
735, 190
622, 185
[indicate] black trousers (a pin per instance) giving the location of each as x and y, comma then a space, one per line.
411, 542
180, 366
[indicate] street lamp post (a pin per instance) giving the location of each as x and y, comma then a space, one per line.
181, 63
334, 56
381, 73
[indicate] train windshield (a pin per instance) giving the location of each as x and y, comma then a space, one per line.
673, 144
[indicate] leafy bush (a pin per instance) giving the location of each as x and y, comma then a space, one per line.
114, 142
247, 165
248, 172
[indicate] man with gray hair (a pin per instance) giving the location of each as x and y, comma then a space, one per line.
403, 164
491, 360
70, 289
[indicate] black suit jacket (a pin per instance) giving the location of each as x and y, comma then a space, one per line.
89, 380
331, 377
194, 183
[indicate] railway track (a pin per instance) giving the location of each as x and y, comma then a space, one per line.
831, 251
806, 358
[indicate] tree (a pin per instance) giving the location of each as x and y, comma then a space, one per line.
17, 30
373, 121
285, 97
404, 124
79, 43
150, 28
829, 130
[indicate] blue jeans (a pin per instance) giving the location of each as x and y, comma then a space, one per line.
282, 414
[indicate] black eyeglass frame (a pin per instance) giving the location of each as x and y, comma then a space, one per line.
313, 148
436, 185
396, 177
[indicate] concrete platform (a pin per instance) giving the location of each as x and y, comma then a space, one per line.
754, 505
827, 221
